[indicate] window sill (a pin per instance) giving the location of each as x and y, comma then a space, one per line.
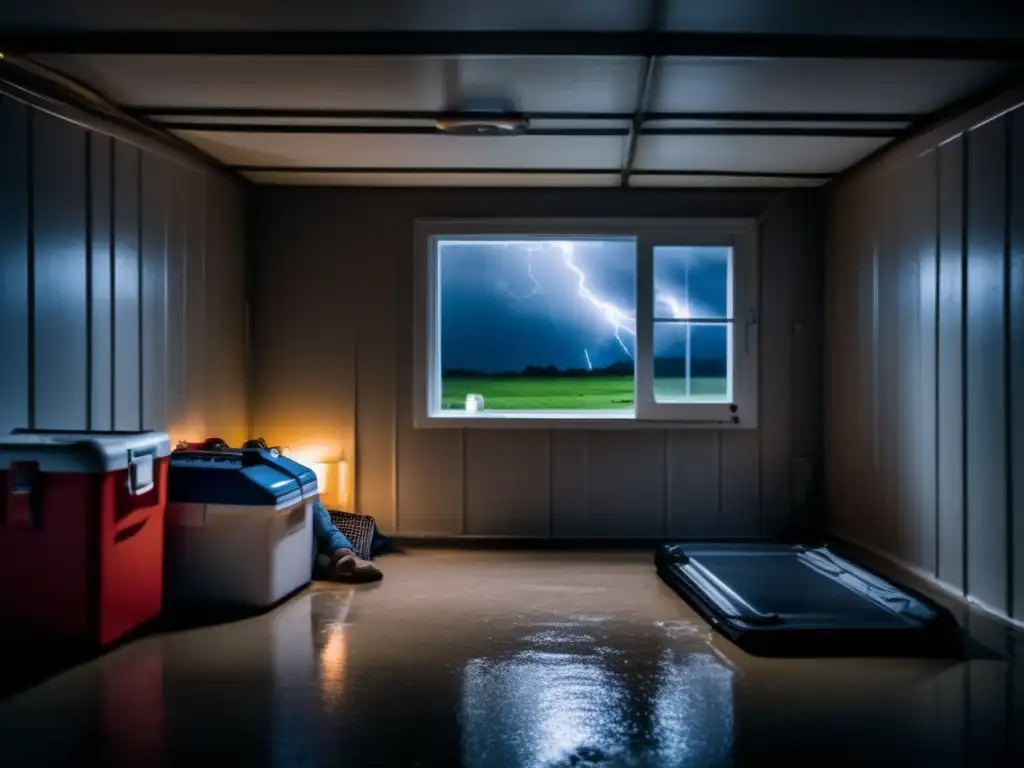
565, 420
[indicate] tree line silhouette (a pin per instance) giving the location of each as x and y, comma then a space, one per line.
664, 367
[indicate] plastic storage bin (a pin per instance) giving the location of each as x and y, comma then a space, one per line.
82, 532
239, 528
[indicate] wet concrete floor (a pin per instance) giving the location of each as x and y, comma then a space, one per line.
487, 658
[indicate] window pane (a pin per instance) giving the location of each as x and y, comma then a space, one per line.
692, 363
691, 281
537, 324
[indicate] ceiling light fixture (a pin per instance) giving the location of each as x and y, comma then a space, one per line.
483, 118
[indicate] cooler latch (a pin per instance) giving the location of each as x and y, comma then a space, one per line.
140, 473
24, 500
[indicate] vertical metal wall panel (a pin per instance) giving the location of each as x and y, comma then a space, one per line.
103, 283
958, 366
950, 364
570, 484
508, 483
740, 494
14, 265
924, 400
985, 311
177, 327
627, 483
154, 210
127, 289
59, 189
694, 484
101, 305
779, 228
197, 405
888, 374
1015, 425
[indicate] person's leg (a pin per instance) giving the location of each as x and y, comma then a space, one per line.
328, 538
334, 552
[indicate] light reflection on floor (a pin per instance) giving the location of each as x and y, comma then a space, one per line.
540, 709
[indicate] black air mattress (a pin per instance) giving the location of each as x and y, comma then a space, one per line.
785, 600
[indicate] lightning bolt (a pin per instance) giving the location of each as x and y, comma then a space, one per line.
620, 319
679, 310
529, 272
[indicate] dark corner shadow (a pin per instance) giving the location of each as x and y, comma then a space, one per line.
974, 650
28, 660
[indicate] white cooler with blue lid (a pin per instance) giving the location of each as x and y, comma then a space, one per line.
239, 528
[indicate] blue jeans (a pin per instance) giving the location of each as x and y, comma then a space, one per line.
327, 539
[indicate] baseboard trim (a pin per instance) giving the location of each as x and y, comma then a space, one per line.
855, 547
431, 541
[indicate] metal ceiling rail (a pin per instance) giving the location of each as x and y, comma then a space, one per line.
273, 113
392, 130
477, 171
656, 11
643, 100
424, 130
513, 43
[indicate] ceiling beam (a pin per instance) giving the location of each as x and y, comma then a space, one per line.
504, 170
420, 170
242, 113
388, 130
655, 23
637, 130
438, 43
643, 100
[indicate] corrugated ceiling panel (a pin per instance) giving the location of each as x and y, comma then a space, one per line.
815, 85
363, 151
435, 179
757, 124
888, 18
785, 154
199, 121
304, 15
956, 18
745, 182
534, 84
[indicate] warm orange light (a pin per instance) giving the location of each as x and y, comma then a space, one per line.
333, 660
186, 433
332, 474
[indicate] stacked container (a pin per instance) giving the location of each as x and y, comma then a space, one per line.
82, 532
239, 528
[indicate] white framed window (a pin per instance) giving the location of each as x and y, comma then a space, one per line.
591, 323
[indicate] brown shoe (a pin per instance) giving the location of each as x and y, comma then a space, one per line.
345, 566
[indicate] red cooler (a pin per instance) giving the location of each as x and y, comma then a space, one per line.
82, 532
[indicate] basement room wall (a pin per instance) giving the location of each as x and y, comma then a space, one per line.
122, 279
925, 362
332, 340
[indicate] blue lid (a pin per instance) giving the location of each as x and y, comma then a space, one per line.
305, 476
245, 478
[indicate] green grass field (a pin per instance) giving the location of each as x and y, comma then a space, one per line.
600, 393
